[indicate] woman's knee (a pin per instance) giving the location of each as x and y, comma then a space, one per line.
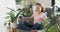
20, 24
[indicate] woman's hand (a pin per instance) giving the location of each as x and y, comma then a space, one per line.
32, 16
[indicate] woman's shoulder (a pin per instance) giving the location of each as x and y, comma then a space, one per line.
44, 14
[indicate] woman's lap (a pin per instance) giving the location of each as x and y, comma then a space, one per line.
23, 26
35, 26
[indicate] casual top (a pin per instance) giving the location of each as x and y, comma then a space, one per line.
39, 19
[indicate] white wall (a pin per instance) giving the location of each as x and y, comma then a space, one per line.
45, 3
57, 2
4, 10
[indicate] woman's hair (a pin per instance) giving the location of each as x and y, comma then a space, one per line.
40, 6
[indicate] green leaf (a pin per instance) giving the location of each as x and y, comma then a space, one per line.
17, 15
7, 17
12, 10
5, 23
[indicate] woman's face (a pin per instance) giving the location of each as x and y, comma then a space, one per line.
38, 8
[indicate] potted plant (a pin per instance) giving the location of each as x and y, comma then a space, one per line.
25, 11
51, 28
12, 18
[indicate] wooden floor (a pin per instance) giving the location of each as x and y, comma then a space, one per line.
19, 30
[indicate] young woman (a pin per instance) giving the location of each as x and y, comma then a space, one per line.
38, 16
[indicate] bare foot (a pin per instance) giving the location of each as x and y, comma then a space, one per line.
33, 30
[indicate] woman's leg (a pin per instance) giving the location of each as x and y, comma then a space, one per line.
23, 26
36, 26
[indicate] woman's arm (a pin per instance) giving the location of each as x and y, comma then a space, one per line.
32, 16
44, 16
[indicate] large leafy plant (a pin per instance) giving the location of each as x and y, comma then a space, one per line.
48, 27
11, 16
25, 11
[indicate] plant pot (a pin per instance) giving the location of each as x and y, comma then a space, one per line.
14, 25
8, 28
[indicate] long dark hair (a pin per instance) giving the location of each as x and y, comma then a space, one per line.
40, 6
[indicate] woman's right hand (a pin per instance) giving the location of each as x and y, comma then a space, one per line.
32, 16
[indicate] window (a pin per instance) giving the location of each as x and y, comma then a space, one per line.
18, 1
53, 2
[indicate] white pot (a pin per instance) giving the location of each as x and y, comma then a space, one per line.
7, 26
13, 25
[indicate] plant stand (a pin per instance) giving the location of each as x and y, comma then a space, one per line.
12, 29
9, 29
